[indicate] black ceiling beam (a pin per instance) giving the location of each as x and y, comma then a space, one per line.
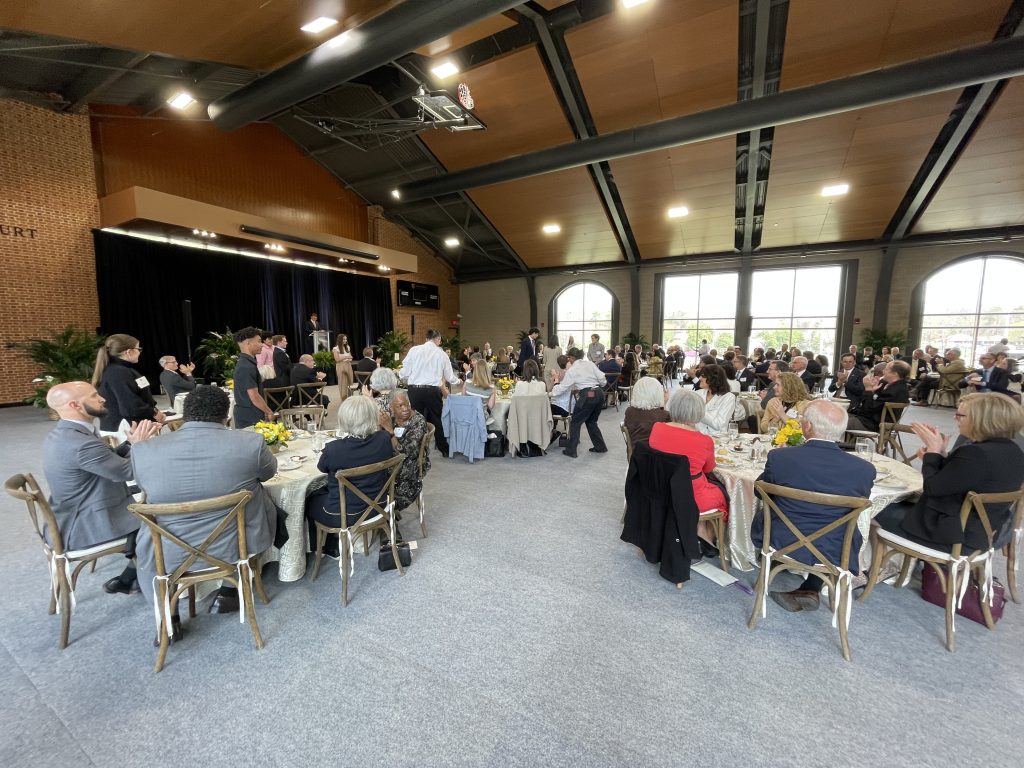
558, 62
768, 19
90, 85
947, 71
383, 38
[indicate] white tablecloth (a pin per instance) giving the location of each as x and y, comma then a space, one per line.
739, 479
289, 488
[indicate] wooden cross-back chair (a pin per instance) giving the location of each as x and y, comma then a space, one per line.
1012, 551
892, 442
891, 415
626, 388
278, 398
953, 568
169, 587
59, 560
361, 379
311, 417
421, 468
308, 395
836, 575
948, 392
379, 515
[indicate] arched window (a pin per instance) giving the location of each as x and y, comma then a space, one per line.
583, 309
973, 304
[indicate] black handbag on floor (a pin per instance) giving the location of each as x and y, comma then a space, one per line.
495, 446
386, 559
528, 450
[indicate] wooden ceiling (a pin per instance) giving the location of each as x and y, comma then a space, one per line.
986, 186
661, 59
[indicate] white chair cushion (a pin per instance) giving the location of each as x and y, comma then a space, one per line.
924, 551
75, 554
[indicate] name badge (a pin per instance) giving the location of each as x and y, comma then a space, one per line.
142, 382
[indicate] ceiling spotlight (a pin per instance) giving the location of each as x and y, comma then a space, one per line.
451, 242
835, 190
551, 229
180, 100
195, 231
204, 233
678, 212
213, 234
318, 25
445, 69
343, 261
396, 194
632, 3
382, 268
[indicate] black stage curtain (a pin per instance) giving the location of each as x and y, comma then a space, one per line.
142, 284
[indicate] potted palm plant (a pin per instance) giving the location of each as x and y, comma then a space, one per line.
67, 355
390, 347
220, 353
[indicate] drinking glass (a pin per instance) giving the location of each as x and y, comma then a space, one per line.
319, 441
734, 432
865, 448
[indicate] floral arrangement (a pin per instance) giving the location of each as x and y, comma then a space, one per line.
505, 384
229, 384
273, 433
790, 434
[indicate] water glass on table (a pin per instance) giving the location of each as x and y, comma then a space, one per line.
318, 442
866, 448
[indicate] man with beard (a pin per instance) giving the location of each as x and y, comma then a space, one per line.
87, 478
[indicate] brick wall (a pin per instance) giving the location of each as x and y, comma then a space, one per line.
47, 184
431, 270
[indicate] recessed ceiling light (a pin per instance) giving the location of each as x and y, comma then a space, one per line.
835, 190
445, 69
551, 229
180, 100
318, 25
678, 212
382, 268
396, 194
195, 231
632, 3
451, 242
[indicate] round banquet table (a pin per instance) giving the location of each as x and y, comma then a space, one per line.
738, 473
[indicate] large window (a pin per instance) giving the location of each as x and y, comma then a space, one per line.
583, 309
699, 307
798, 307
973, 304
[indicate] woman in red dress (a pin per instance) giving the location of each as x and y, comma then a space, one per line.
681, 437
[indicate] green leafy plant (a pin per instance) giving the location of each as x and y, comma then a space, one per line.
324, 360
219, 352
390, 347
453, 345
630, 340
876, 339
67, 355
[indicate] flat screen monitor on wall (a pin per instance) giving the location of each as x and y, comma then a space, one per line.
418, 295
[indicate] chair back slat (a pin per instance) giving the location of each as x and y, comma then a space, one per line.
856, 505
278, 397
309, 394
977, 503
421, 459
374, 505
149, 514
295, 418
629, 442
26, 488
362, 378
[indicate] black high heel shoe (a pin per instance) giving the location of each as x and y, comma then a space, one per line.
708, 550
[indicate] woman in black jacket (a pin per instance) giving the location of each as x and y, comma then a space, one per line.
990, 463
125, 390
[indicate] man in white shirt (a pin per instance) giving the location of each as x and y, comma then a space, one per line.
595, 352
1002, 346
426, 369
589, 383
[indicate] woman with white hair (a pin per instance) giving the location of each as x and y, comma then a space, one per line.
362, 442
646, 408
681, 436
382, 382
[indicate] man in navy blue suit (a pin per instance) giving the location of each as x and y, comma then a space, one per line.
988, 378
821, 466
527, 348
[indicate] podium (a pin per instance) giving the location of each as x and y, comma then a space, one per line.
321, 340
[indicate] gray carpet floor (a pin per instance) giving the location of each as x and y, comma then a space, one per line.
524, 634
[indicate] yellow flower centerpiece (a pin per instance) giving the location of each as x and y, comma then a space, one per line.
505, 385
229, 384
790, 434
274, 435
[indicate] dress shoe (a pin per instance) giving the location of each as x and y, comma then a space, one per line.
224, 604
797, 600
570, 454
708, 550
599, 450
176, 633
115, 586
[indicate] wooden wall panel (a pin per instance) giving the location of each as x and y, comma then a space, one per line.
986, 186
256, 169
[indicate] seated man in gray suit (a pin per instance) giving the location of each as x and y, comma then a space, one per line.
87, 478
204, 459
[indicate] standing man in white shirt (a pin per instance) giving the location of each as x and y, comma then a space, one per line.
426, 369
595, 352
589, 383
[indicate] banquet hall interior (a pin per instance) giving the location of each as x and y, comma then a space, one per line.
691, 178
